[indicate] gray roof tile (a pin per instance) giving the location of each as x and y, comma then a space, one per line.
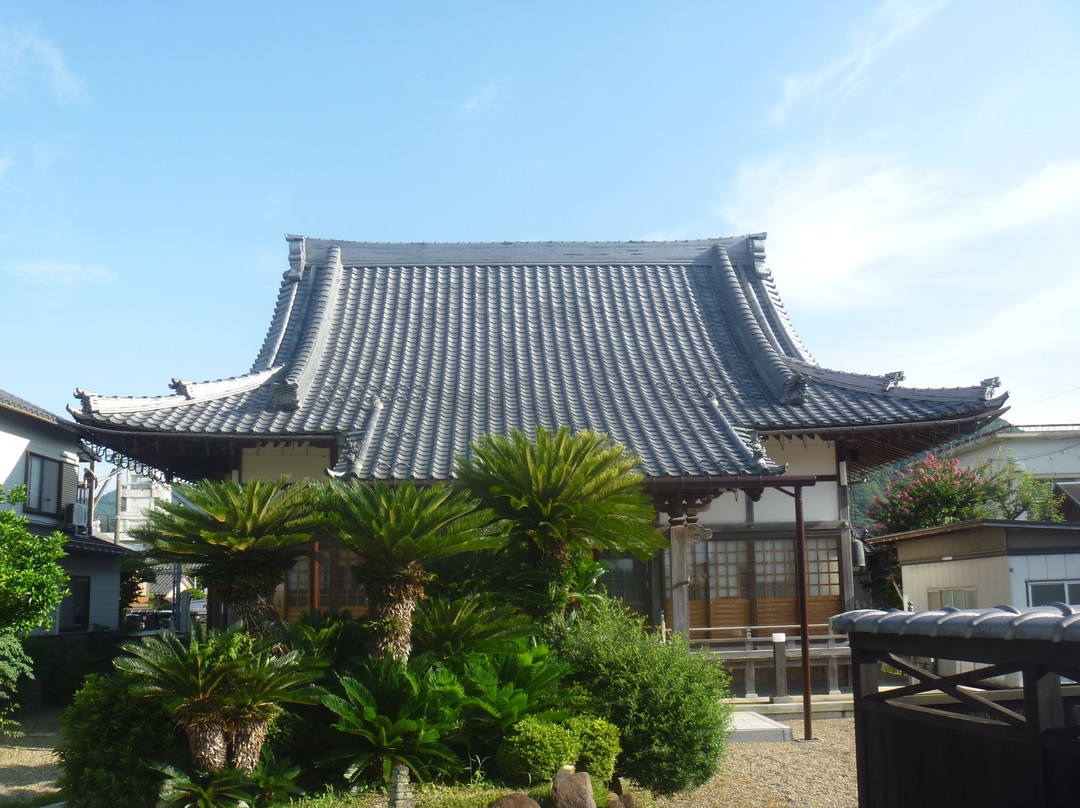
680, 350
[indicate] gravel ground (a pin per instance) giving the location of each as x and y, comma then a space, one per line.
27, 764
818, 774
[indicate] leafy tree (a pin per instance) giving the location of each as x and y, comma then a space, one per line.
562, 497
938, 492
32, 582
397, 531
14, 664
240, 539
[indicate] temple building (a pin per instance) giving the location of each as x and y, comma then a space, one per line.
384, 361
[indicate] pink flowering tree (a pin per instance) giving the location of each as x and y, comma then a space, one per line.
937, 492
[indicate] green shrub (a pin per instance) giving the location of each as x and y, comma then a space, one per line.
598, 746
110, 742
536, 750
670, 706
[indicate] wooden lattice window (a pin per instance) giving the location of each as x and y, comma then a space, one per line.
774, 562
822, 566
730, 570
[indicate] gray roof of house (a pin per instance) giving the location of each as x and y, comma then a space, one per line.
12, 402
408, 352
1057, 623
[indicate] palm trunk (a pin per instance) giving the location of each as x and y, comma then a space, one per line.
248, 736
392, 604
261, 620
207, 742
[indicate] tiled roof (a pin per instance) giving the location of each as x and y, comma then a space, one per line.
13, 402
680, 350
1056, 623
76, 543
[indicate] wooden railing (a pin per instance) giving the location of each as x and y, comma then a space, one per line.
752, 647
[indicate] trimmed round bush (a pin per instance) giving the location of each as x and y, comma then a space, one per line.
671, 707
598, 746
535, 750
111, 741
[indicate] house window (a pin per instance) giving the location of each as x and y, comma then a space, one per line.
961, 598
1043, 593
75, 608
42, 484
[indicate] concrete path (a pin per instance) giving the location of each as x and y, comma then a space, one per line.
750, 727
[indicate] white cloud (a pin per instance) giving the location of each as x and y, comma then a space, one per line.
25, 56
845, 225
47, 271
844, 75
5, 164
483, 99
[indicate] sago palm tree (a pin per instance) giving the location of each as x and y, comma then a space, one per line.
191, 680
222, 688
396, 530
240, 539
562, 496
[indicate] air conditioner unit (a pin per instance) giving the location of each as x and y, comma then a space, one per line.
75, 514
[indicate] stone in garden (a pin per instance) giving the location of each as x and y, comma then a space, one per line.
515, 800
572, 790
624, 800
620, 785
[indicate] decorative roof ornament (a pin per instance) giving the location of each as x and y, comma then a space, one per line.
182, 386
286, 395
297, 259
893, 379
796, 387
991, 384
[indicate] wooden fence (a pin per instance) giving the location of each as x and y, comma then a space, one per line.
961, 739
749, 650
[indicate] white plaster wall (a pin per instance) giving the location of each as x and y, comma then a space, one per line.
299, 461
989, 576
819, 501
1054, 567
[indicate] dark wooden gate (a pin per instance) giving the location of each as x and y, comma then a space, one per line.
967, 738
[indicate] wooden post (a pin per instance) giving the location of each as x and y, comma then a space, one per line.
804, 611
680, 579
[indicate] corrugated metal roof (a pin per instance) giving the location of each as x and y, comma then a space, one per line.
1057, 623
680, 350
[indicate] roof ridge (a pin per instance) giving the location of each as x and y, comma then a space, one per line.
788, 386
187, 392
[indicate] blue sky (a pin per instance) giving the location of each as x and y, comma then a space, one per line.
916, 165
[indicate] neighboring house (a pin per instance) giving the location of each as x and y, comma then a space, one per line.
43, 452
384, 361
1048, 451
987, 563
